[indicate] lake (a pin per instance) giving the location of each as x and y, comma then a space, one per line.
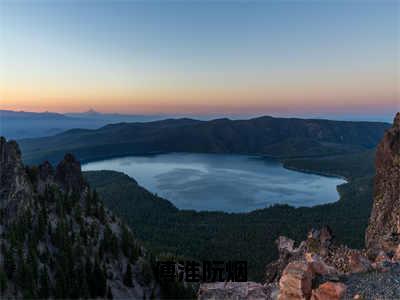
230, 183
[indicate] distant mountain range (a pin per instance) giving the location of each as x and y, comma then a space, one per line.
114, 117
275, 137
21, 124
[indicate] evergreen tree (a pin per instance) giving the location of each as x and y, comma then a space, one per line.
127, 280
126, 241
9, 262
3, 282
44, 291
88, 203
25, 279
84, 287
42, 222
109, 293
99, 281
95, 197
101, 213
61, 286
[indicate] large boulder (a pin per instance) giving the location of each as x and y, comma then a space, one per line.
383, 232
329, 291
287, 253
296, 281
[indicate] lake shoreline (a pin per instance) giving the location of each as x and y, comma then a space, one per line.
231, 183
321, 173
261, 157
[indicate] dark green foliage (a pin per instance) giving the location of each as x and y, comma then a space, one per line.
83, 281
3, 281
33, 173
350, 166
9, 261
128, 245
44, 290
177, 290
42, 220
174, 289
109, 294
101, 214
25, 278
97, 281
2, 215
61, 285
128, 276
109, 242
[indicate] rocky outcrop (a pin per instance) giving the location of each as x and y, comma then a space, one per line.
14, 185
383, 232
296, 281
59, 241
69, 174
318, 269
329, 291
45, 177
287, 253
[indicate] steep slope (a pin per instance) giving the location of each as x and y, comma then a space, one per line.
58, 240
383, 232
278, 137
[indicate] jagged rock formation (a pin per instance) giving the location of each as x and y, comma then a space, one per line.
287, 253
14, 186
68, 174
58, 240
383, 232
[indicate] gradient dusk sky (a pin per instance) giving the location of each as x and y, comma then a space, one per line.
189, 57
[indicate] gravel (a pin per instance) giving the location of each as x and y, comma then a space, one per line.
375, 285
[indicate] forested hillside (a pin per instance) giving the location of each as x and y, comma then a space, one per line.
276, 137
58, 240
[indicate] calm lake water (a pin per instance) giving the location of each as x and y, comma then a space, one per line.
231, 183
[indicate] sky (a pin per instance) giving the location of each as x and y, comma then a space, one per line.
201, 57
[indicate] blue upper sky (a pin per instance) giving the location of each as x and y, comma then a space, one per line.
225, 57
